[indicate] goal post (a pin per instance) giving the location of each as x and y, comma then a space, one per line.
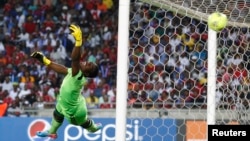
211, 76
122, 70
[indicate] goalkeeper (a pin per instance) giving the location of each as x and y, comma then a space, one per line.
70, 103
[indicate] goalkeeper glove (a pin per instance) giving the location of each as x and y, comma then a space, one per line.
77, 34
39, 56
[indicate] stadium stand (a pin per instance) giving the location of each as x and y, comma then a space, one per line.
42, 25
167, 53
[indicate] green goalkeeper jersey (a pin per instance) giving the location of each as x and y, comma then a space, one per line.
70, 98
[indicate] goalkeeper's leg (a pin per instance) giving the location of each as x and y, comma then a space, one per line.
57, 121
91, 126
81, 118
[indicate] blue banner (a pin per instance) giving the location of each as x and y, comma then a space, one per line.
146, 129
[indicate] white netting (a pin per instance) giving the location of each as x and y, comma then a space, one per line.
168, 64
236, 10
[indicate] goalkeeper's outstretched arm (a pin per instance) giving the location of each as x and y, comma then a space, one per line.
75, 55
76, 52
52, 65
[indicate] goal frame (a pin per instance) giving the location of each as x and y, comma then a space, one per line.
122, 70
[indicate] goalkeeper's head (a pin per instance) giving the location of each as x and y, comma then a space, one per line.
89, 69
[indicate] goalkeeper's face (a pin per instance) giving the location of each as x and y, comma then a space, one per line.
89, 69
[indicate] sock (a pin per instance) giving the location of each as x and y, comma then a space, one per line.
54, 126
93, 127
90, 125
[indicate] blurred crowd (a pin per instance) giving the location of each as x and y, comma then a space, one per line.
167, 56
42, 25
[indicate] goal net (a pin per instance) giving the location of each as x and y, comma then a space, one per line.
168, 73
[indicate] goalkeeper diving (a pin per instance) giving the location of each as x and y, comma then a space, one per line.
71, 104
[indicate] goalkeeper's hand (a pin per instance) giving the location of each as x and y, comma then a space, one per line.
77, 33
39, 56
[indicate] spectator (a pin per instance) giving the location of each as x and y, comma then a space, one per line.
7, 84
29, 25
48, 101
194, 98
48, 22
29, 44
6, 97
31, 98
58, 53
104, 101
95, 13
15, 91
152, 93
3, 108
143, 101
113, 99
107, 35
48, 93
164, 101
86, 91
92, 100
2, 48
23, 36
27, 79
15, 111
65, 14
200, 54
24, 92
132, 98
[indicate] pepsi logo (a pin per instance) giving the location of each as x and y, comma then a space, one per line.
37, 125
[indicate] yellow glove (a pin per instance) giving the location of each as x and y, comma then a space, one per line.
77, 33
39, 56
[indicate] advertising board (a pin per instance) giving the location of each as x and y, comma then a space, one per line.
24, 129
